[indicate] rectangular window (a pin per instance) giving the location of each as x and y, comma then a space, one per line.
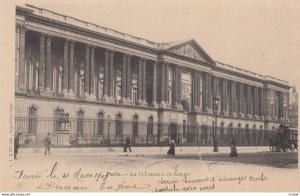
134, 94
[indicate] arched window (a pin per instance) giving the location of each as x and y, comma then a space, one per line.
150, 127
100, 123
32, 120
58, 113
135, 125
119, 127
80, 119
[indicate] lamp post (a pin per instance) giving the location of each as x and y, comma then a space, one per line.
216, 100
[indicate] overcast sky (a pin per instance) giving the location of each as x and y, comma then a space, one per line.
259, 36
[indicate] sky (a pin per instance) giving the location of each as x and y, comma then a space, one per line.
261, 36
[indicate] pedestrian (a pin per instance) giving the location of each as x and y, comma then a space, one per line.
127, 144
171, 151
47, 144
233, 150
16, 145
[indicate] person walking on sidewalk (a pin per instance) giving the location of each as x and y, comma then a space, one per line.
127, 144
47, 144
233, 150
171, 151
16, 145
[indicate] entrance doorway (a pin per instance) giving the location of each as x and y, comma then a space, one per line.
173, 131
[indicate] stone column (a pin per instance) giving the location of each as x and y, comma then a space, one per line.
111, 77
179, 89
154, 85
21, 31
248, 101
87, 71
208, 96
144, 86
66, 67
124, 80
193, 101
197, 91
48, 66
251, 102
17, 53
233, 98
71, 69
255, 102
92, 74
41, 78
162, 86
215, 90
200, 90
167, 67
129, 80
224, 110
242, 101
175, 87
261, 103
140, 81
106, 76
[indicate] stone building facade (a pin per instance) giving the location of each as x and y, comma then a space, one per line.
90, 72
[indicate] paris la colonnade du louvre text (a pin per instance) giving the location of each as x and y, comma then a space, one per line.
89, 85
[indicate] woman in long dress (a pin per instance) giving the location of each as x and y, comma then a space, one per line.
171, 151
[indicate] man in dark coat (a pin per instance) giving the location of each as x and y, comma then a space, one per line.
47, 144
127, 145
171, 151
16, 145
233, 150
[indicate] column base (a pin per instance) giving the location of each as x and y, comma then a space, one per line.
196, 109
68, 95
108, 99
224, 113
178, 106
162, 104
154, 104
45, 92
88, 96
20, 89
142, 103
168, 105
241, 115
208, 110
123, 100
248, 115
255, 116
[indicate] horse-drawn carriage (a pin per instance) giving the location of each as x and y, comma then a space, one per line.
284, 139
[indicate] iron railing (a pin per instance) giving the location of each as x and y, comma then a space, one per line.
80, 132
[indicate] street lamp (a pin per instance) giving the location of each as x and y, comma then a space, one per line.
216, 100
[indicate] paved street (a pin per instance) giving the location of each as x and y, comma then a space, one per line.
267, 169
288, 160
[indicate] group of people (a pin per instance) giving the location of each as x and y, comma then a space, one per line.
47, 143
233, 149
170, 153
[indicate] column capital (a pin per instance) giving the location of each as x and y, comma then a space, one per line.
21, 28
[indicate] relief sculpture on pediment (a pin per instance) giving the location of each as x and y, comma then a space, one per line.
188, 51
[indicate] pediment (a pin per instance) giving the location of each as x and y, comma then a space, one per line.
191, 49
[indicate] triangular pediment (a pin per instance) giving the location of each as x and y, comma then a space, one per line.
191, 49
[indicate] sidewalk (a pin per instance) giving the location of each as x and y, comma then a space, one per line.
141, 150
